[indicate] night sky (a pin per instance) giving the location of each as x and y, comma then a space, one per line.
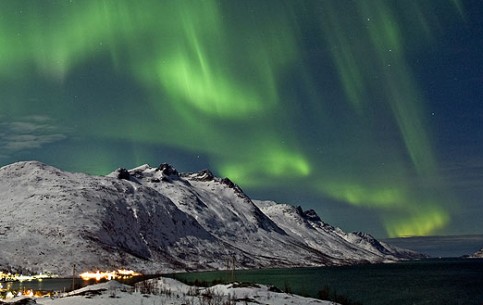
369, 112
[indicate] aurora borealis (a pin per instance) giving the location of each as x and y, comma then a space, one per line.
367, 111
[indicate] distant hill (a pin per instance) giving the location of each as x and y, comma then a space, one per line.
154, 219
477, 254
440, 246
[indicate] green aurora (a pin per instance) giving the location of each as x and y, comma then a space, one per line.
308, 97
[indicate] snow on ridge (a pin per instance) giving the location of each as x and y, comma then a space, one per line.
158, 220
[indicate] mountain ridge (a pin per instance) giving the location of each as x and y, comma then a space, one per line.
155, 219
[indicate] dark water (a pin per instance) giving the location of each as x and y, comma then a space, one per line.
427, 282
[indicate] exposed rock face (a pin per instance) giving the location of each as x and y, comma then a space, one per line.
309, 214
157, 220
204, 175
123, 174
168, 170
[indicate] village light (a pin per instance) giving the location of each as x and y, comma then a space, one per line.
109, 275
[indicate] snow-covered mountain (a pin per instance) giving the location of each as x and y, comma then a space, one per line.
156, 220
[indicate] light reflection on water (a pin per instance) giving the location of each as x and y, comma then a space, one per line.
54, 284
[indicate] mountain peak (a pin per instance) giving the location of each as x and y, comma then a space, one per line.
203, 175
123, 173
168, 170
309, 214
226, 181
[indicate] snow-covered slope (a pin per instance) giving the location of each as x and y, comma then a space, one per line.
169, 291
52, 220
156, 220
348, 247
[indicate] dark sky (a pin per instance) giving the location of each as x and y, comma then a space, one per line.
370, 112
